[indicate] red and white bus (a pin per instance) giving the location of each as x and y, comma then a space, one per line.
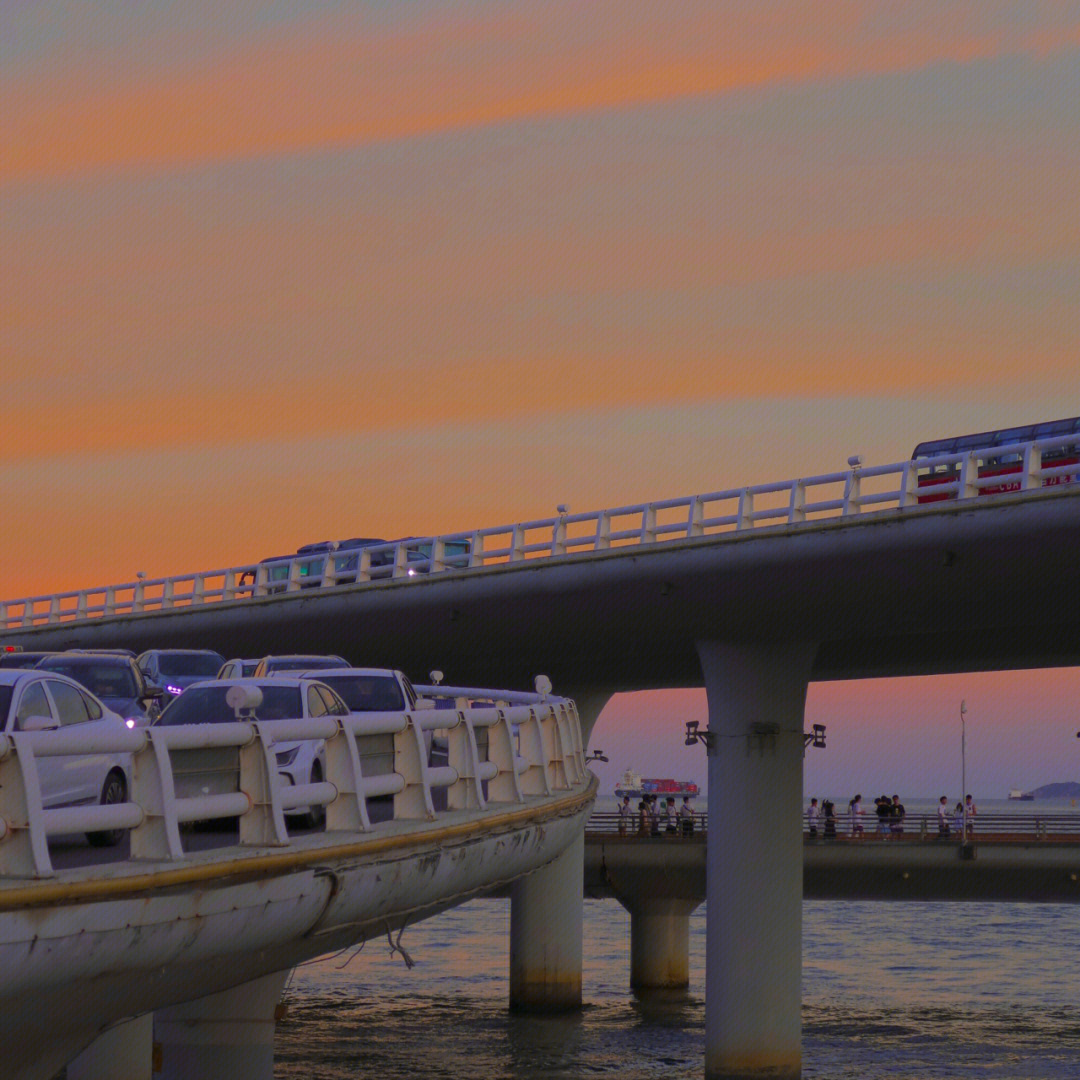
1010, 461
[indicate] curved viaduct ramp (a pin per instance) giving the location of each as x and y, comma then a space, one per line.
976, 584
82, 950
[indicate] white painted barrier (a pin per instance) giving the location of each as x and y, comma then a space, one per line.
533, 747
906, 486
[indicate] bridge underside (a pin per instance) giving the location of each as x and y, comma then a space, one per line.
949, 587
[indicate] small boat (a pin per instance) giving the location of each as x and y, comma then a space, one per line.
1021, 796
635, 785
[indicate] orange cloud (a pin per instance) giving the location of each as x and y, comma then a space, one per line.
336, 84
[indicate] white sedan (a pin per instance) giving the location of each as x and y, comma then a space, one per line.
34, 700
214, 772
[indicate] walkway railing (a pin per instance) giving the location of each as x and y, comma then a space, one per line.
996, 472
987, 827
496, 755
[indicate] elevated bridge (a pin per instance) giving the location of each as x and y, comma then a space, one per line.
753, 592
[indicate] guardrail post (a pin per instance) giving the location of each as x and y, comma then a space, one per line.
437, 562
1030, 472
110, 601
136, 597
695, 519
198, 589
517, 544
603, 531
3, 615
797, 503
152, 788
167, 593
967, 488
534, 779
558, 537
24, 850
909, 485
228, 585
264, 824
262, 574
476, 549
852, 491
54, 609
502, 752
463, 755
746, 510
294, 576
554, 752
648, 525
80, 606
348, 812
410, 762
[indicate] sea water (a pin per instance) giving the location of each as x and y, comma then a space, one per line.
891, 991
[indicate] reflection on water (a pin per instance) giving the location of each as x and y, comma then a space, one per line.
890, 992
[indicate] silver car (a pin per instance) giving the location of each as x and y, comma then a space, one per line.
37, 700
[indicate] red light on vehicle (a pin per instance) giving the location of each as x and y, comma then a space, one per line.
12, 648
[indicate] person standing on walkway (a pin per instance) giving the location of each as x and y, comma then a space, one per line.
897, 813
624, 814
958, 819
970, 811
643, 816
855, 812
654, 815
812, 817
884, 812
671, 816
686, 816
830, 819
943, 817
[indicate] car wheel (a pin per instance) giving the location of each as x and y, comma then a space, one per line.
114, 791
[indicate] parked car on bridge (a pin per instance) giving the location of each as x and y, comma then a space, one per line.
112, 677
38, 700
372, 690
237, 669
20, 659
217, 771
269, 665
176, 669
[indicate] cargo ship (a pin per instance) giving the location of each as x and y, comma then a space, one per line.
1022, 796
635, 785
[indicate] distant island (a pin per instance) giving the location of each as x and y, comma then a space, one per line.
1067, 790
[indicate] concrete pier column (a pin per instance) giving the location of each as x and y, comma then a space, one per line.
545, 934
226, 1036
124, 1052
659, 943
753, 951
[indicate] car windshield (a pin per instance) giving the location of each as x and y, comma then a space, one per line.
367, 693
181, 664
207, 705
107, 679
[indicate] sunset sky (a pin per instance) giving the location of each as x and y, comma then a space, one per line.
281, 272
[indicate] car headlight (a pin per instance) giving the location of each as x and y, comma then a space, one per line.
131, 722
176, 691
287, 757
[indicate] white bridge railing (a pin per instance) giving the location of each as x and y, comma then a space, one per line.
907, 485
519, 746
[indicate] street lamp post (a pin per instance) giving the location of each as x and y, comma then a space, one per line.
963, 770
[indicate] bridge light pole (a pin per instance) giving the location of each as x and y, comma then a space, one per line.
963, 770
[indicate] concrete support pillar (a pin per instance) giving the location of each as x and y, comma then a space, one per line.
124, 1052
226, 1036
545, 934
753, 950
590, 703
659, 943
